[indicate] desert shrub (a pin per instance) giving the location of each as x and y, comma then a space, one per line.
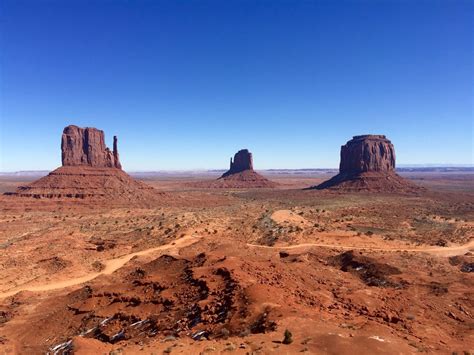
287, 337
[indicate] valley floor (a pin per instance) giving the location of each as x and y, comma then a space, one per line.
230, 270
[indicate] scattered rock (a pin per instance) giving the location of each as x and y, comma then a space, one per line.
437, 288
467, 267
98, 266
244, 333
224, 333
370, 272
455, 260
5, 316
230, 347
54, 264
441, 243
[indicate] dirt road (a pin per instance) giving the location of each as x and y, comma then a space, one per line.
439, 251
110, 266
115, 264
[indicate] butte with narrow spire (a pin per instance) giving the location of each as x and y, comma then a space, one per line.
240, 175
89, 170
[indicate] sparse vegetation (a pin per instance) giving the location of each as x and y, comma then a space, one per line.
287, 337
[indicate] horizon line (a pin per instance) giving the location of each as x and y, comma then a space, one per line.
403, 166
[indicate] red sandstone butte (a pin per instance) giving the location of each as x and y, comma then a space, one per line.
368, 164
89, 170
86, 146
243, 160
241, 174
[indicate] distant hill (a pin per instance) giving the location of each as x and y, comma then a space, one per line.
306, 171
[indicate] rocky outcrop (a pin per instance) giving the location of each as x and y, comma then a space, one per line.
116, 154
90, 170
239, 176
86, 146
368, 164
242, 161
367, 153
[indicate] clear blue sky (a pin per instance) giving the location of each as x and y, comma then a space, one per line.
185, 84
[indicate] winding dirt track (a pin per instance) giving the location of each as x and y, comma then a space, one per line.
440, 251
110, 266
115, 264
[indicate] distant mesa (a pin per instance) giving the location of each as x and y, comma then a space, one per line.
368, 164
89, 170
242, 161
239, 176
241, 173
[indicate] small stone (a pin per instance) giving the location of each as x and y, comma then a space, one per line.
209, 349
169, 338
230, 347
224, 332
244, 333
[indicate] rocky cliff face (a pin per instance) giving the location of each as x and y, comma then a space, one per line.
86, 146
242, 161
367, 153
